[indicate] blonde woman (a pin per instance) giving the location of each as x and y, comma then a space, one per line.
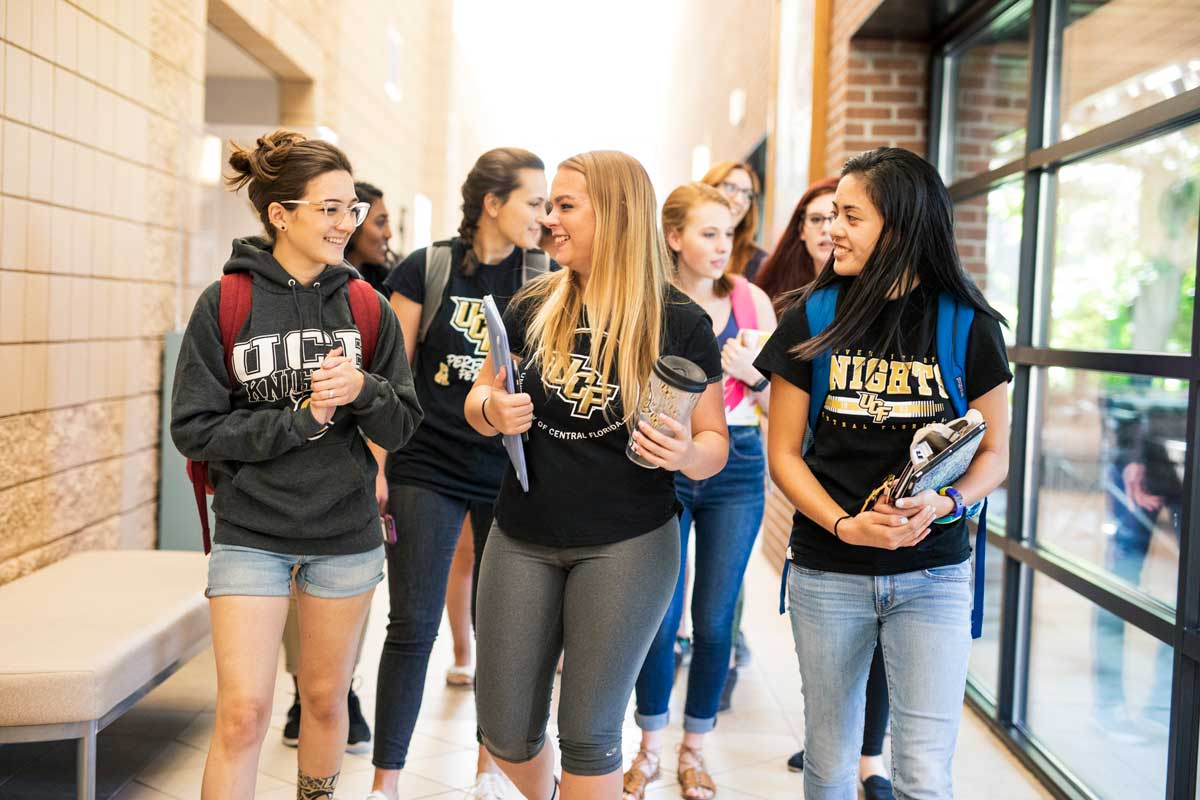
586, 561
739, 184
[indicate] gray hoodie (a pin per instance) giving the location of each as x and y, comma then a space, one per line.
282, 485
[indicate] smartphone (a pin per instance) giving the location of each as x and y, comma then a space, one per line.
389, 528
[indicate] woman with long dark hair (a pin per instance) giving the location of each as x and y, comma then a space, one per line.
369, 249
279, 405
449, 472
804, 251
867, 568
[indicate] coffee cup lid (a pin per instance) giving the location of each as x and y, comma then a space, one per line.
681, 373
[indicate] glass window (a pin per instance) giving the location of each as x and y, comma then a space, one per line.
1112, 451
987, 229
1121, 56
1099, 693
991, 84
985, 652
1124, 273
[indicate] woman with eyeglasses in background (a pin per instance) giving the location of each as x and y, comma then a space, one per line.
740, 185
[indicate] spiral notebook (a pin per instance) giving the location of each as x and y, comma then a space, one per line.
939, 455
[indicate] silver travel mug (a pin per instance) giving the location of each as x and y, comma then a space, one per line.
675, 387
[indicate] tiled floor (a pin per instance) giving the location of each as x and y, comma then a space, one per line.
156, 751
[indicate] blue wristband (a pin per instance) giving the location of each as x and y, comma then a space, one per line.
959, 506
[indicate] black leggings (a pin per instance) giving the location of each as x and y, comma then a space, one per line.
875, 726
428, 525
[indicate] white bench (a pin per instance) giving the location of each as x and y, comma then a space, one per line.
86, 638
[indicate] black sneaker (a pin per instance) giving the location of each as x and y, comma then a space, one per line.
877, 787
727, 690
358, 740
741, 651
796, 762
291, 730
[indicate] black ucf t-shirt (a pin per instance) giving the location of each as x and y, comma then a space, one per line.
583, 490
875, 403
446, 454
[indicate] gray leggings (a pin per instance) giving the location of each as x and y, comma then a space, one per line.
601, 607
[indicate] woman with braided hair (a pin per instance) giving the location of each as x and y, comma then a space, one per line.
449, 473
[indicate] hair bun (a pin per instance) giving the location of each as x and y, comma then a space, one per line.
265, 162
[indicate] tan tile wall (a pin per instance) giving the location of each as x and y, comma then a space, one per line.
101, 120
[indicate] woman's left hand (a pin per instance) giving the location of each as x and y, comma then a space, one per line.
941, 504
738, 362
673, 453
338, 382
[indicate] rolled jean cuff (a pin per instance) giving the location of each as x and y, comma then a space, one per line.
652, 722
696, 725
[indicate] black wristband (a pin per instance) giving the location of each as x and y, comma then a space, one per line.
835, 526
761, 385
483, 410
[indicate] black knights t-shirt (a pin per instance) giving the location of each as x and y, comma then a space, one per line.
583, 490
876, 401
446, 454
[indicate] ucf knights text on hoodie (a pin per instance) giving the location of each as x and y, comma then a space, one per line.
282, 485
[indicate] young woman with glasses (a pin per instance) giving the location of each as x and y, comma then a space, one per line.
282, 420
740, 186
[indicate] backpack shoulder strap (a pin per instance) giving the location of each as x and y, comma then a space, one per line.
236, 293
953, 331
744, 313
437, 276
364, 307
534, 264
819, 309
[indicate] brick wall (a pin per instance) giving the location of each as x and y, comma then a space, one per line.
877, 97
101, 126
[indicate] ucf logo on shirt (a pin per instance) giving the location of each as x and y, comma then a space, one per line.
275, 366
579, 386
468, 319
899, 392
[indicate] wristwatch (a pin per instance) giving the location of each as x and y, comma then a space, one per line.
959, 506
762, 384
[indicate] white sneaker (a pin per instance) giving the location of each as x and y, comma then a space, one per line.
488, 786
377, 796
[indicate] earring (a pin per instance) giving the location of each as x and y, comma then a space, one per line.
283, 227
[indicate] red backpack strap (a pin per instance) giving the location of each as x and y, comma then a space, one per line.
365, 308
236, 292
744, 313
197, 472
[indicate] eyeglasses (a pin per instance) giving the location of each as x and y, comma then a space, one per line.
819, 220
334, 211
732, 190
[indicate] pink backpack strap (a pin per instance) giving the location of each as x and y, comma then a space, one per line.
744, 313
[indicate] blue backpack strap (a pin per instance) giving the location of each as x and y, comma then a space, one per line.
953, 332
820, 309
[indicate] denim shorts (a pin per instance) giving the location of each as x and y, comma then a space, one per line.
234, 570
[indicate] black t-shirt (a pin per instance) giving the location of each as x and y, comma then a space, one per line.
875, 402
376, 275
583, 490
446, 454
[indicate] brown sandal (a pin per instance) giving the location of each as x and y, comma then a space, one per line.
694, 777
636, 779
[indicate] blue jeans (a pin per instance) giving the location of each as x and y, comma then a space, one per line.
922, 621
728, 510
